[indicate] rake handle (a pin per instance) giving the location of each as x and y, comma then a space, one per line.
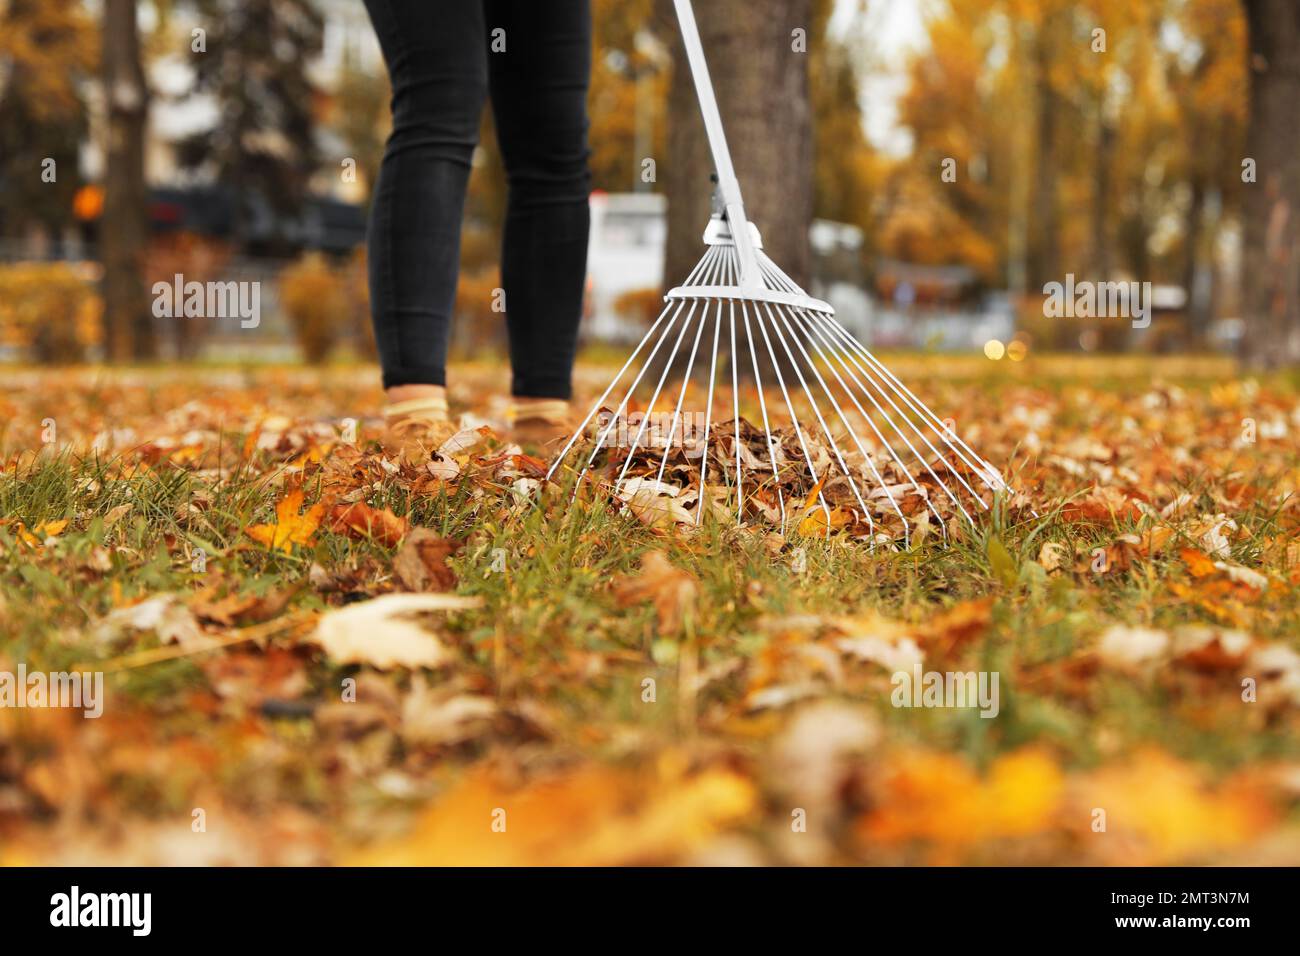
728, 184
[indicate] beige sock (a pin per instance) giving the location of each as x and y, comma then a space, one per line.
430, 409
552, 410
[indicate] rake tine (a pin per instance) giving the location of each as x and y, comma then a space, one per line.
794, 419
709, 257
875, 430
801, 316
627, 397
735, 402
984, 469
912, 448
762, 405
973, 493
686, 381
601, 401
835, 446
779, 277
988, 474
636, 442
871, 524
708, 411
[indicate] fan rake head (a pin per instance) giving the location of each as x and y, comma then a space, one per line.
751, 402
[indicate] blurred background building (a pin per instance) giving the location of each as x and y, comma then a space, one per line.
928, 167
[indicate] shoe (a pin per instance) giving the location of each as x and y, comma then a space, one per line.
539, 424
417, 427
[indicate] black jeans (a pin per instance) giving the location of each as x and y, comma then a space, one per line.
444, 56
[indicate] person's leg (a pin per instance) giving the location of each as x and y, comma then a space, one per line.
539, 87
437, 66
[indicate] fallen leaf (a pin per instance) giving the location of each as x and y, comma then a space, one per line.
241, 610
1052, 556
1162, 811
1199, 564
443, 715
360, 520
672, 591
251, 677
421, 564
592, 816
116, 514
165, 615
290, 527
938, 798
379, 632
946, 633
1132, 647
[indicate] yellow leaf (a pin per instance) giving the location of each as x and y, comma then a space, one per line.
593, 816
290, 527
1002, 564
50, 529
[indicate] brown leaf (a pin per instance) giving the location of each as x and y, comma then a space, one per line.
421, 564
672, 591
241, 610
360, 520
959, 625
252, 677
1101, 506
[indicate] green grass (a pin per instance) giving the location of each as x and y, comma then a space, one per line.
551, 629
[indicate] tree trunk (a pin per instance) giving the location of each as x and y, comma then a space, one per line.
1196, 319
1271, 253
124, 228
760, 77
762, 88
1101, 199
1045, 231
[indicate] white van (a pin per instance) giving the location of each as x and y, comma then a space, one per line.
629, 232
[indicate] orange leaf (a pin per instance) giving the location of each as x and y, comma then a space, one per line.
959, 625
362, 521
290, 527
1198, 563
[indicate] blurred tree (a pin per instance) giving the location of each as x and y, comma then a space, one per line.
361, 118
1089, 135
124, 226
314, 294
1208, 81
255, 65
846, 171
629, 91
1271, 257
950, 201
47, 50
49, 308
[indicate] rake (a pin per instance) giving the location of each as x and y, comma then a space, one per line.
845, 446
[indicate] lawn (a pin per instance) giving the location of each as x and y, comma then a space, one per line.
313, 653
